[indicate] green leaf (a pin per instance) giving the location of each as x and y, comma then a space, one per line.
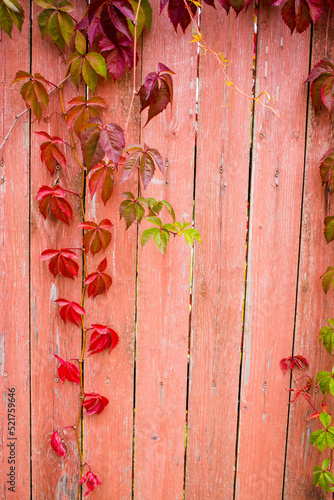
89, 75
169, 208
329, 229
146, 6
6, 23
98, 63
76, 70
147, 234
80, 43
188, 237
66, 24
325, 464
155, 220
324, 482
169, 227
326, 335
140, 20
325, 419
55, 31
47, 4
43, 21
65, 6
161, 240
327, 278
315, 435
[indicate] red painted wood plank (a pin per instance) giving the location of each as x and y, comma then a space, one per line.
219, 265
53, 404
163, 281
275, 210
109, 436
14, 269
313, 307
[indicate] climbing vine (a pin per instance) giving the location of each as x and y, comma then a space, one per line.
104, 41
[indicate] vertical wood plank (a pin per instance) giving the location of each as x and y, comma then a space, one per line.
54, 404
223, 150
313, 307
275, 209
109, 436
14, 270
163, 281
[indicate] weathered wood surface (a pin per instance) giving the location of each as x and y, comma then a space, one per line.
109, 436
54, 404
14, 270
273, 248
149, 301
219, 263
313, 307
163, 281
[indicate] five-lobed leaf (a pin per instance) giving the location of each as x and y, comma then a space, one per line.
101, 178
50, 153
61, 262
82, 111
99, 140
55, 21
97, 236
94, 403
91, 480
98, 282
101, 338
70, 311
53, 199
11, 12
157, 91
143, 159
322, 92
68, 371
34, 91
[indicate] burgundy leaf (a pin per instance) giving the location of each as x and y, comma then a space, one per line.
322, 78
68, 371
95, 403
70, 311
53, 199
102, 337
179, 15
57, 445
98, 236
91, 480
156, 95
292, 361
327, 168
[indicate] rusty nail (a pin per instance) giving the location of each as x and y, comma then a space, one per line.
107, 380
213, 384
161, 384
56, 379
5, 374
261, 136
221, 170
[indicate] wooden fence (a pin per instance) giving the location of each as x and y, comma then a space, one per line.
219, 370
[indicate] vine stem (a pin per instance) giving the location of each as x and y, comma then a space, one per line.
308, 400
222, 65
26, 111
81, 360
134, 69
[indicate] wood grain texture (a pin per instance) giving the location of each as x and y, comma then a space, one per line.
275, 211
163, 281
313, 306
14, 266
109, 436
221, 198
54, 404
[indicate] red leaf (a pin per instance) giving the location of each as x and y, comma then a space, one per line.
92, 481
57, 445
102, 337
95, 403
98, 282
70, 311
68, 371
316, 414
50, 153
98, 236
178, 13
61, 262
34, 92
54, 199
102, 178
292, 361
118, 55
